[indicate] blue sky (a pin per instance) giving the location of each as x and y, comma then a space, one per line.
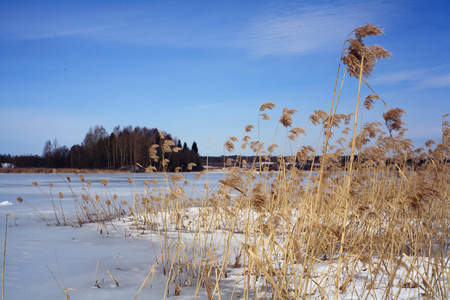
200, 69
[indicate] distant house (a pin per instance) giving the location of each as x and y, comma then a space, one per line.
7, 165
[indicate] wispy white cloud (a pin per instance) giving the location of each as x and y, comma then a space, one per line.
89, 31
425, 78
272, 29
147, 24
401, 76
441, 81
304, 28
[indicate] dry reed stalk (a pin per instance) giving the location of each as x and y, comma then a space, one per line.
63, 288
349, 175
107, 271
4, 252
152, 271
43, 217
422, 276
50, 198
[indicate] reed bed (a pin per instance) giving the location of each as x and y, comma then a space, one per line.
372, 222
369, 227
372, 235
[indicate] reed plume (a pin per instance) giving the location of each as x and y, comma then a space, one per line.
356, 50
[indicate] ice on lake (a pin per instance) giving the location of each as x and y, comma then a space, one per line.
34, 249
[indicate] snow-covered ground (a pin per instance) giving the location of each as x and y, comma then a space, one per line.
42, 259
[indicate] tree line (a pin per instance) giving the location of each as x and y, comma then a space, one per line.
124, 148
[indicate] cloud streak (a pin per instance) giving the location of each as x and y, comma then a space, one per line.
401, 76
307, 28
427, 78
442, 81
274, 29
147, 25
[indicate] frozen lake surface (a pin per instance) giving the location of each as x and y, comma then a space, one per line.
33, 247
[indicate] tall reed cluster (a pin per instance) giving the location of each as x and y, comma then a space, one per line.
370, 220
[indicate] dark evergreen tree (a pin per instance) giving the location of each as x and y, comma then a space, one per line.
194, 147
